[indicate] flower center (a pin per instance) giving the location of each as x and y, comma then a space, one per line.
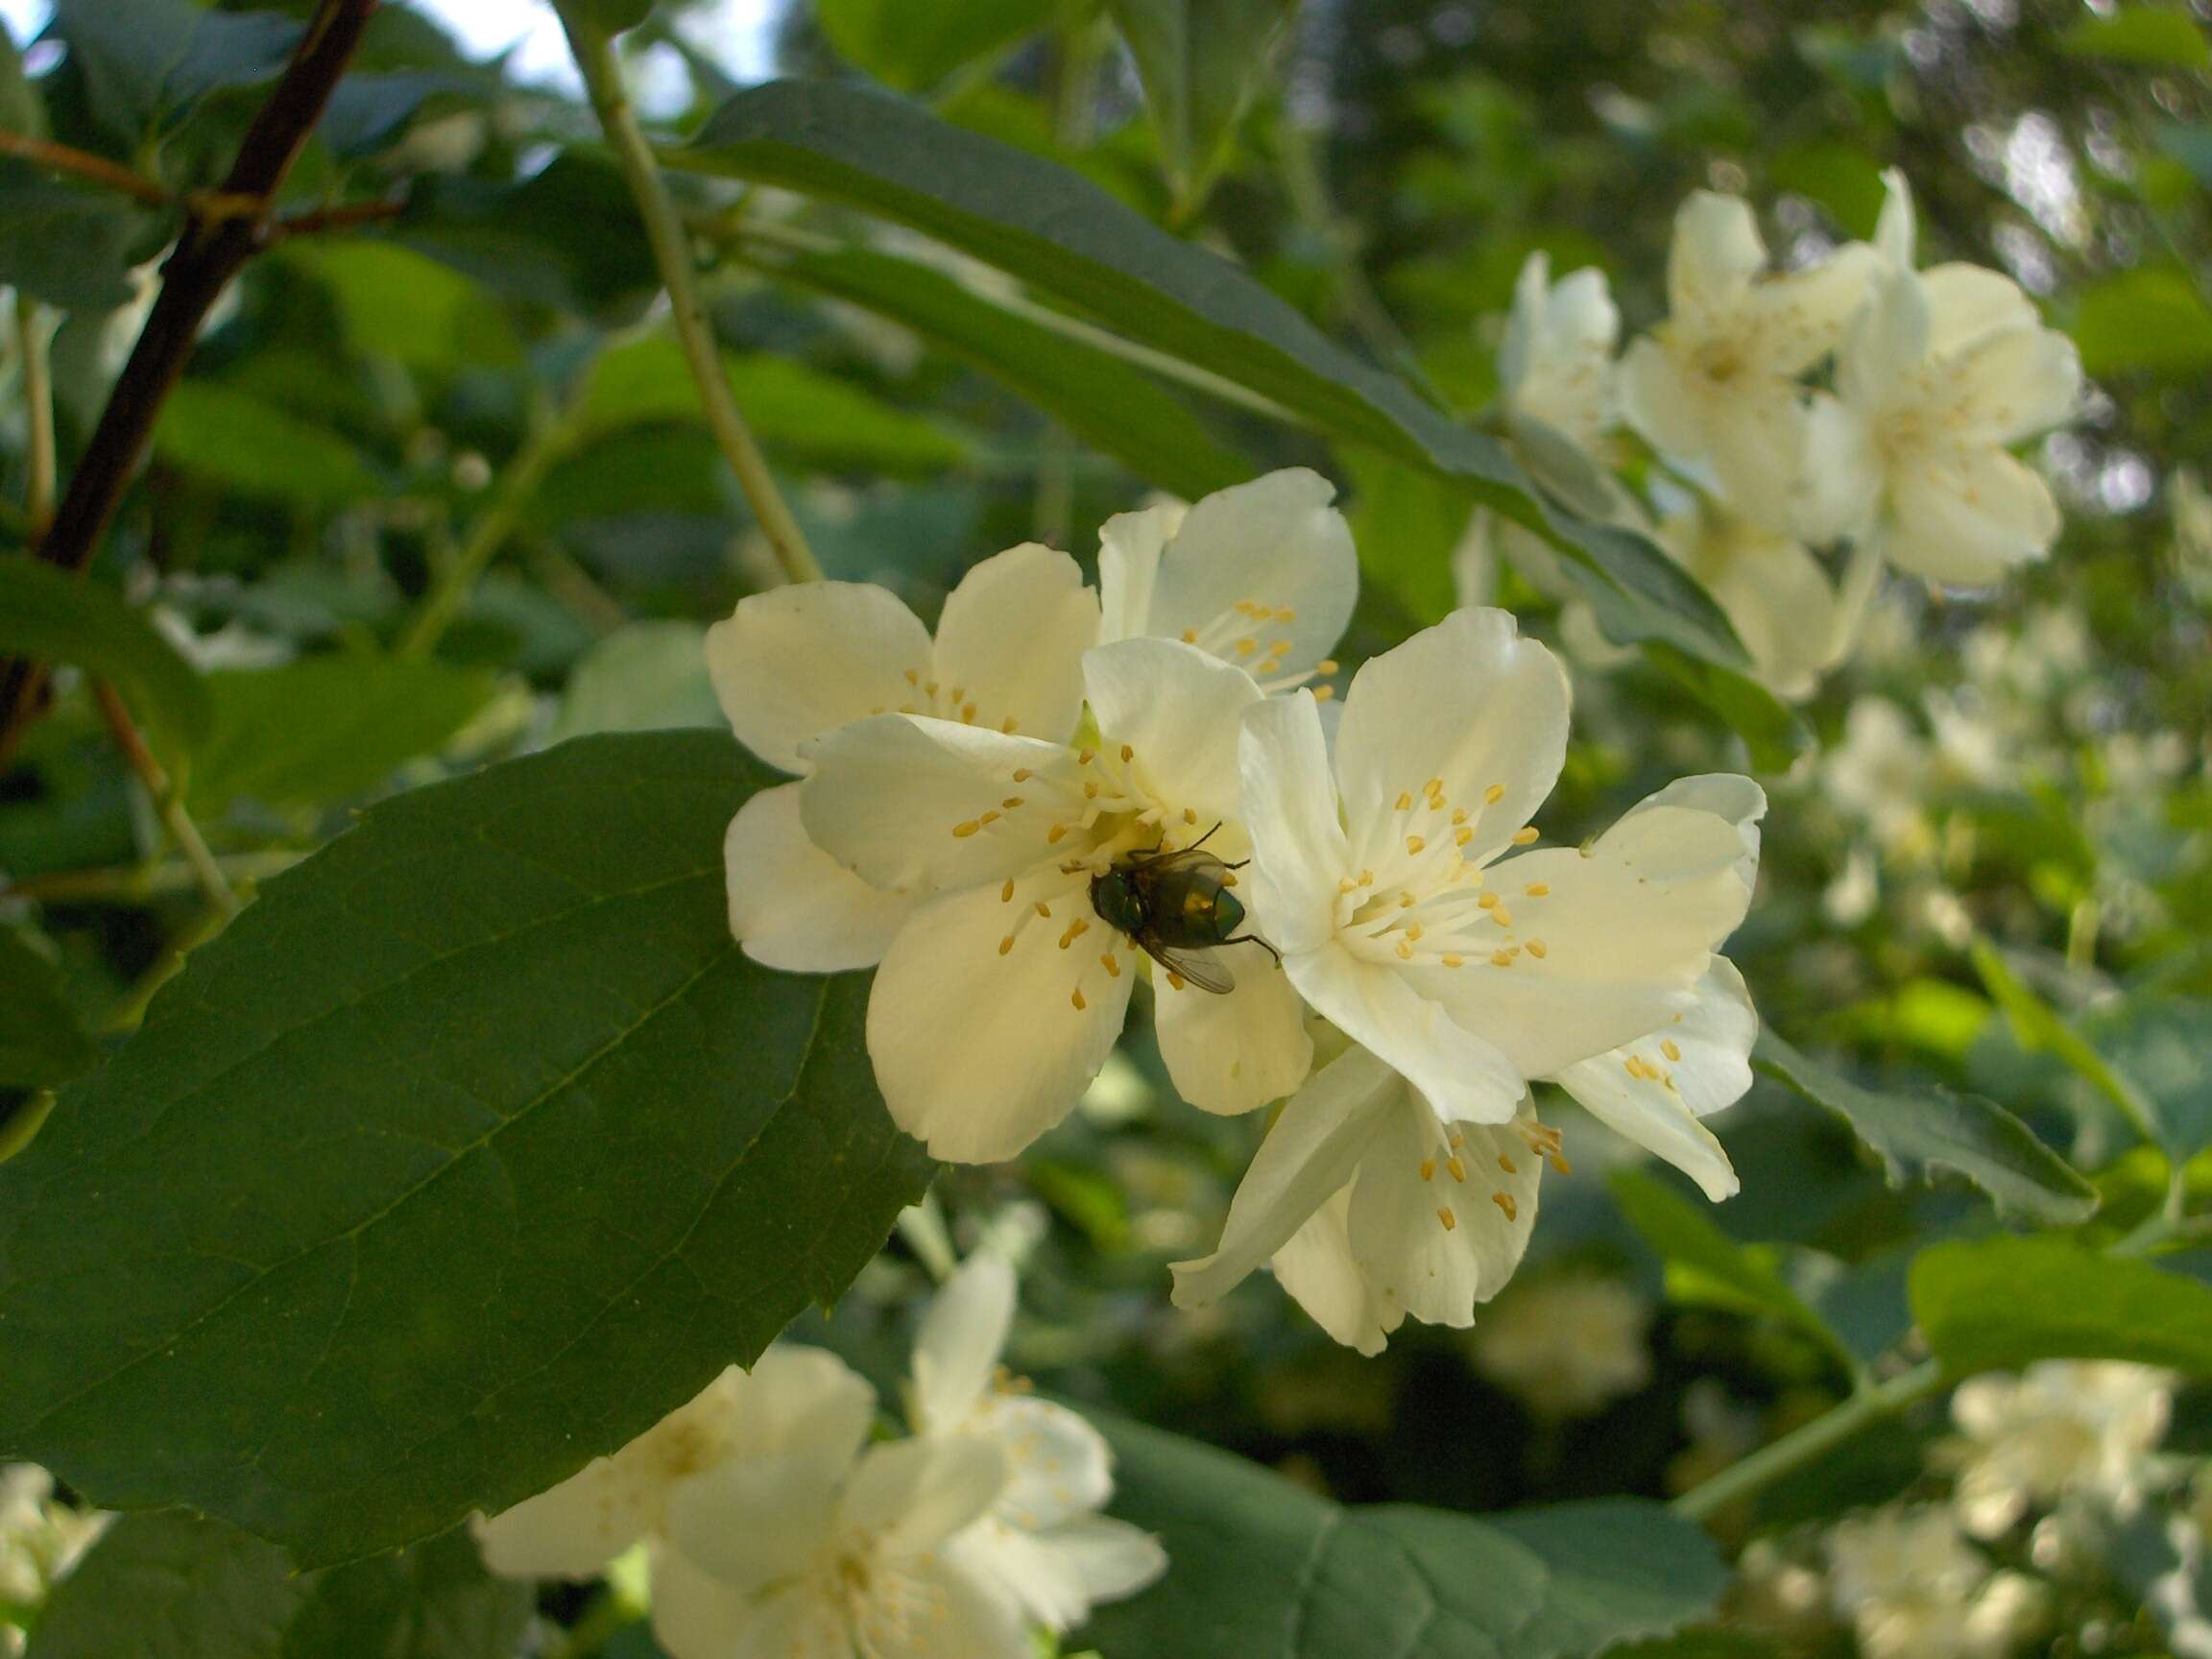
1421, 901
1250, 635
939, 701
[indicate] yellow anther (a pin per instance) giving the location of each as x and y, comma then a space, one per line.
962, 831
967, 711
1007, 893
1434, 786
1111, 967
1454, 961
1009, 724
1090, 788
1500, 958
1345, 884
1052, 835
1077, 997
991, 817
1406, 901
1538, 890
1405, 800
1458, 814
1366, 878
913, 677
1561, 1165
1428, 1169
1005, 945
1228, 877
1075, 930
1457, 1168
1042, 909
1021, 774
1011, 803
1507, 1164
1460, 837
1413, 931
1414, 843
1501, 915
1494, 794
1128, 753
1524, 834
1190, 636
1504, 1202
1405, 950
1539, 950
1281, 648
1286, 614
1324, 694
1190, 816
1084, 757
1246, 646
1175, 980
1327, 666
1445, 1215
1487, 902
931, 688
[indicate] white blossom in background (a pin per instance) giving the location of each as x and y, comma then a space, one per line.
40, 1540
1462, 974
1555, 363
1717, 385
1777, 595
1939, 375
2060, 1431
1567, 1345
798, 662
1042, 1538
1913, 1587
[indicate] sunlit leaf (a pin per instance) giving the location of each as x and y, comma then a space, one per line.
232, 438
2000, 1303
1200, 63
912, 47
40, 1042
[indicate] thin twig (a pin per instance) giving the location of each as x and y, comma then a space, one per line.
33, 336
226, 228
167, 802
133, 884
671, 248
346, 218
82, 164
1803, 1445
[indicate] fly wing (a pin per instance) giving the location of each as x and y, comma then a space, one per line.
1200, 967
1182, 859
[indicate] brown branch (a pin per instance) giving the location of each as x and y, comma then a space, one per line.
214, 246
62, 159
345, 218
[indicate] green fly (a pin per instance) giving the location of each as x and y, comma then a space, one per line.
1178, 907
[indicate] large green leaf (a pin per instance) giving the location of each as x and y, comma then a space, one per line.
1200, 63
472, 1149
69, 246
1265, 1570
176, 1586
2041, 1030
1706, 1266
1406, 524
2003, 1302
1054, 229
53, 617
1099, 398
2157, 1044
2156, 36
326, 729
911, 47
2151, 318
40, 1042
1920, 1135
146, 63
232, 438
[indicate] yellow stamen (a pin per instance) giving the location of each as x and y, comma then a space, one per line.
1414, 843
1504, 1202
1007, 893
1011, 803
1128, 753
1538, 890
1077, 997
1670, 1047
1500, 958
1454, 961
1405, 800
1021, 774
1005, 945
1111, 967
1042, 909
1324, 694
1428, 1169
1524, 834
1075, 930
1494, 794
1457, 1168
962, 831
1539, 950
1052, 835
1445, 1215
1190, 636
1175, 980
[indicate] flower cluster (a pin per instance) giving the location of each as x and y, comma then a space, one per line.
1854, 399
40, 1540
1065, 791
773, 1523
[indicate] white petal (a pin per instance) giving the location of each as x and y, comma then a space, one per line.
1011, 638
1057, 1464
792, 905
919, 806
1801, 315
970, 1615
1245, 555
573, 1530
1717, 250
1468, 702
1233, 1052
1309, 1154
978, 1050
801, 1400
1129, 549
2014, 384
1317, 1270
1756, 438
1179, 709
753, 1521
1886, 342
1968, 303
1464, 1072
1627, 927
1968, 518
1774, 591
1060, 1574
797, 661
698, 1616
958, 1346
912, 1495
1658, 1104
1894, 234
1660, 400
1842, 470
1290, 802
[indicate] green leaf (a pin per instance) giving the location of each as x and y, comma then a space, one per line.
2158, 1044
644, 677
913, 47
1775, 732
1200, 63
231, 437
53, 617
40, 1042
568, 236
2041, 1030
789, 405
70, 246
395, 302
176, 1586
326, 729
605, 16
1058, 232
1097, 397
1406, 524
533, 1150
21, 109
145, 64
1706, 1266
2151, 319
2154, 37
2005, 1301
1266, 1570
1920, 1135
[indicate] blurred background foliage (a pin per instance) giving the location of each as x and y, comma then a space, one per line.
435, 491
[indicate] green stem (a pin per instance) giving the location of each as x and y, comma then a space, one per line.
594, 54
1803, 1445
449, 590
134, 884
39, 455
168, 801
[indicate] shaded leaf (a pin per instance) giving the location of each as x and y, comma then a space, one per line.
1406, 524
1931, 1130
40, 1042
1773, 733
2150, 318
644, 677
70, 246
1053, 228
534, 1153
2041, 1030
145, 64
2005, 1301
395, 302
1266, 1570
53, 617
2158, 1042
568, 236
2153, 35
233, 438
912, 47
1200, 63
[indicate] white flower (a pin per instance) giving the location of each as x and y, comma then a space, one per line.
1000, 997
1042, 1537
1941, 373
795, 662
1718, 381
794, 1398
1568, 1346
1555, 364
2062, 1430
1781, 601
1399, 921
1914, 1588
1262, 574
40, 1540
809, 1554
